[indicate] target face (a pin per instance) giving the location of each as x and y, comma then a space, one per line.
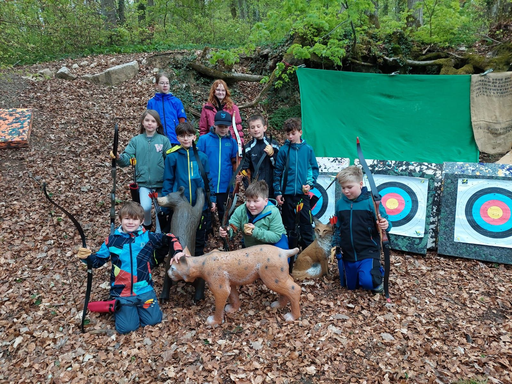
483, 212
325, 198
404, 199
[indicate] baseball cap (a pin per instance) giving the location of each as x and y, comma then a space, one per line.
222, 118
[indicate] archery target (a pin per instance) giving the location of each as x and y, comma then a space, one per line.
323, 210
405, 201
483, 212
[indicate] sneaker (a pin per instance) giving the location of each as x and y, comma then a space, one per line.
379, 289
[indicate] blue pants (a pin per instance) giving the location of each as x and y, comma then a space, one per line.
366, 274
132, 314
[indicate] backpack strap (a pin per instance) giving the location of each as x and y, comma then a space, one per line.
285, 176
203, 175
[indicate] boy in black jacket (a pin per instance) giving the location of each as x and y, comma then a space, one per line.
260, 154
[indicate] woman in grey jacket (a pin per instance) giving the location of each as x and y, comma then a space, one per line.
149, 150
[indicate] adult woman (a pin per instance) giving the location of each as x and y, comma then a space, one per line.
219, 99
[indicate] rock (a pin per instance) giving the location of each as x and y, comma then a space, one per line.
84, 64
47, 73
64, 73
74, 66
387, 336
115, 75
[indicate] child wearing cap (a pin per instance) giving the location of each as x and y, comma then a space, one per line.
221, 150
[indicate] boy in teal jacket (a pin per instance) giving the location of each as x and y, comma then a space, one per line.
258, 219
295, 175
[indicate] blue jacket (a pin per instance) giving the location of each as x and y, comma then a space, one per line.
182, 170
221, 152
302, 168
131, 255
356, 232
170, 109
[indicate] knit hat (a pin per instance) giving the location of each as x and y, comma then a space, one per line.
222, 118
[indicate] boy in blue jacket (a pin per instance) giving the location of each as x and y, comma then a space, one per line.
295, 175
221, 150
356, 233
182, 170
130, 250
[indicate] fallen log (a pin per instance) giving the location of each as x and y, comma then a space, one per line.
226, 76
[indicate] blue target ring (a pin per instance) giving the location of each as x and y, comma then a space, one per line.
320, 207
408, 207
476, 208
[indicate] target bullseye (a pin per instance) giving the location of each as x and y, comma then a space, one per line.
400, 201
488, 212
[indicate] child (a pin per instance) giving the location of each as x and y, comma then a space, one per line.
168, 106
357, 234
260, 154
149, 149
221, 150
182, 170
295, 175
259, 219
130, 250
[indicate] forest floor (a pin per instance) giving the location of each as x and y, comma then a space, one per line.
449, 320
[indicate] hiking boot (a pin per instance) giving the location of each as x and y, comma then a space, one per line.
379, 289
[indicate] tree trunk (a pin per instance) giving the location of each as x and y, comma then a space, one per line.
121, 10
416, 18
108, 9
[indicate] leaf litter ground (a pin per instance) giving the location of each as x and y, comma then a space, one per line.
449, 320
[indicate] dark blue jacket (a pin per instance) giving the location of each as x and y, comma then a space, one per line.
302, 168
132, 258
170, 109
356, 232
221, 152
182, 170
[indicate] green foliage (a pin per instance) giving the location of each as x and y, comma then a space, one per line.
277, 119
322, 30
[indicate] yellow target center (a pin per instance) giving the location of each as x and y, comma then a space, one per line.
495, 212
392, 203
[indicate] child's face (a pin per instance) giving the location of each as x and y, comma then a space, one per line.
220, 92
257, 129
150, 125
130, 224
352, 189
186, 140
163, 85
255, 204
294, 136
222, 130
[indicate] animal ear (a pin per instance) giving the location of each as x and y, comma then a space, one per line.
316, 221
186, 251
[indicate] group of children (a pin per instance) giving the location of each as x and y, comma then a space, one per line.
167, 159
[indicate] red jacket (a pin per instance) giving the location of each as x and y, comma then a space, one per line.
208, 117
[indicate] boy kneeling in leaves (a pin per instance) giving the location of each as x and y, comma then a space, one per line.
131, 251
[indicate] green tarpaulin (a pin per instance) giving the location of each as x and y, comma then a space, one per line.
422, 118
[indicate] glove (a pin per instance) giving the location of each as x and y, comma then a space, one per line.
83, 253
248, 229
269, 150
112, 156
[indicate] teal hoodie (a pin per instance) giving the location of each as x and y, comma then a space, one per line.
150, 155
